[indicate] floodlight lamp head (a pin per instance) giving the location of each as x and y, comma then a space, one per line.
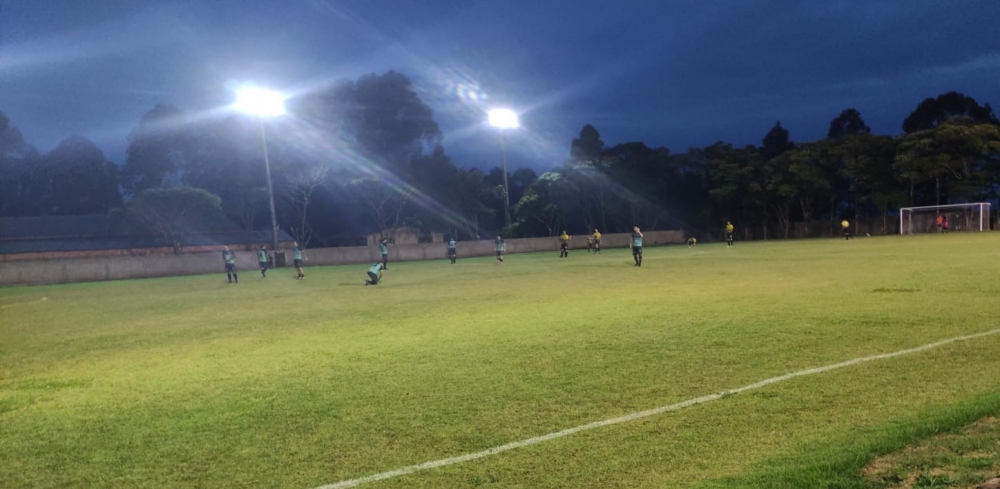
504, 119
260, 102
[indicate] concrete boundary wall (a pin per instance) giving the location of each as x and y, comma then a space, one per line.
67, 270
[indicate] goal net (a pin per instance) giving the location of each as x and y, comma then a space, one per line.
934, 218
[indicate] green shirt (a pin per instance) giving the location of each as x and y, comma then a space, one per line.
297, 254
375, 268
636, 240
262, 256
499, 242
451, 245
228, 256
383, 249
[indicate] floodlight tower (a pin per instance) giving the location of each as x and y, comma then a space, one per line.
504, 119
263, 103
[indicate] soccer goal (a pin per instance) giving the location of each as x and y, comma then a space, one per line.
958, 217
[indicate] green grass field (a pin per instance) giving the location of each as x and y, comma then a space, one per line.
191, 382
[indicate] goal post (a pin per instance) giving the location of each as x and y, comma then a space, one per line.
959, 217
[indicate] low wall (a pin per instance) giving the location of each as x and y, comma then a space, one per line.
66, 270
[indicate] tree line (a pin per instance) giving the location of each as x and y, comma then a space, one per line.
365, 156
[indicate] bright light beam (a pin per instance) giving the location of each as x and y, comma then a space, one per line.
260, 102
503, 119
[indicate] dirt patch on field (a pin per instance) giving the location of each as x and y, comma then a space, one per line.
968, 459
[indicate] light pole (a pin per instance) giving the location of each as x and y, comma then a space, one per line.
263, 103
504, 119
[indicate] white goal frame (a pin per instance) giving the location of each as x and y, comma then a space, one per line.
906, 215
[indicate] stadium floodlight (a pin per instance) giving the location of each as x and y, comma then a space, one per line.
960, 217
504, 119
263, 103
260, 102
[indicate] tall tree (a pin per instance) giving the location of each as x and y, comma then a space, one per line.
848, 122
385, 201
961, 159
588, 146
381, 114
933, 112
18, 162
868, 166
300, 184
775, 142
540, 206
470, 196
80, 180
157, 149
226, 160
172, 212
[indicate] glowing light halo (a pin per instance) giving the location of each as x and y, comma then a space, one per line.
503, 119
259, 101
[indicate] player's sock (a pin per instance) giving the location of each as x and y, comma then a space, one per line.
236, 279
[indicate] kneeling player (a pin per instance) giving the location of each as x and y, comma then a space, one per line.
692, 242
374, 274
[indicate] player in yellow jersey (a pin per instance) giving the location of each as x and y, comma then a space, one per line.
846, 226
564, 245
597, 242
729, 234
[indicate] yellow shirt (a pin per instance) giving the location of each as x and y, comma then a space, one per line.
564, 237
844, 224
729, 227
597, 236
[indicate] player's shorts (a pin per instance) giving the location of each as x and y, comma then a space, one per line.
451, 251
263, 264
564, 246
499, 254
298, 263
637, 251
373, 277
230, 267
729, 236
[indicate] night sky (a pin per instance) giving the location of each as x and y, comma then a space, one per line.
673, 73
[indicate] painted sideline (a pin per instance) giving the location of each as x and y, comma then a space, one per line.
641, 414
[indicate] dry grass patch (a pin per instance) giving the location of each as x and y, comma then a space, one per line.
961, 460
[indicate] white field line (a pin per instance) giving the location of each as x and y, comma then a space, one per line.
641, 414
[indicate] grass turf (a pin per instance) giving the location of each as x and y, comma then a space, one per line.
191, 382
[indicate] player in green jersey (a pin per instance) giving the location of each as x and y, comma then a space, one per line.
298, 256
500, 245
262, 260
452, 253
374, 274
637, 246
230, 259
